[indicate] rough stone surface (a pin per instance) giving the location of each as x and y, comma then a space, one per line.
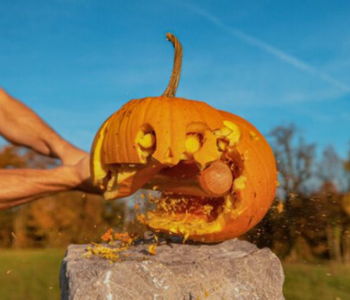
230, 270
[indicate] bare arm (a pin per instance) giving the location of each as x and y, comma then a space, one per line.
23, 185
19, 186
21, 126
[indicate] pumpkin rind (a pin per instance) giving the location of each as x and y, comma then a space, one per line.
170, 119
261, 173
155, 136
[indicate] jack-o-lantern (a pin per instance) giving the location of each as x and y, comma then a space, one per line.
215, 171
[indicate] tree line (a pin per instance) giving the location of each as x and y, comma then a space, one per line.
56, 220
309, 219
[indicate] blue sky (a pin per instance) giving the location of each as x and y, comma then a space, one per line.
272, 62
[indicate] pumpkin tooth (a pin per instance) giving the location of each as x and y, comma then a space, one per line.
116, 179
113, 180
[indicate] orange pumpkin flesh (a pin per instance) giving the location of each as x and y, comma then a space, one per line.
174, 146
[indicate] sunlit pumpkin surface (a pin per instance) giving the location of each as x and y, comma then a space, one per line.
170, 145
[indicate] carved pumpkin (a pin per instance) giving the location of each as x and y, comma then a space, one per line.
215, 171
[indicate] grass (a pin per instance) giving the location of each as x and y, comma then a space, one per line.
30, 274
316, 282
33, 275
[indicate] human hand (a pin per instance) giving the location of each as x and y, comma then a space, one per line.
82, 171
69, 154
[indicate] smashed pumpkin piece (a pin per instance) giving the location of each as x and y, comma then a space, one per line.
152, 249
114, 252
108, 236
110, 254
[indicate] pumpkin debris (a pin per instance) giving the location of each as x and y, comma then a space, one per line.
152, 249
114, 251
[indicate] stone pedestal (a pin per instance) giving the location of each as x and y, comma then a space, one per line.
230, 270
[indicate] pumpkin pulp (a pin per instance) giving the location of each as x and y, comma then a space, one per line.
189, 215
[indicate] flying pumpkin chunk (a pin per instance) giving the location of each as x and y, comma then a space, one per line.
215, 172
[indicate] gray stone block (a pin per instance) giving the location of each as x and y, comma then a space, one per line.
230, 270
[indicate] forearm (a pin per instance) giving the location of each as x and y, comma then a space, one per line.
22, 185
20, 125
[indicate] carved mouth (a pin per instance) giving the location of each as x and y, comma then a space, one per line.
190, 215
195, 198
181, 213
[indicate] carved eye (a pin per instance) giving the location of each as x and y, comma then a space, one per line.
193, 142
228, 136
145, 143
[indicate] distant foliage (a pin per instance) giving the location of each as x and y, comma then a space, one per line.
310, 218
18, 157
57, 220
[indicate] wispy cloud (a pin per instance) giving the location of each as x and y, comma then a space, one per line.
281, 55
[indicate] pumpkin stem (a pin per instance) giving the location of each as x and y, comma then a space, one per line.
175, 76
